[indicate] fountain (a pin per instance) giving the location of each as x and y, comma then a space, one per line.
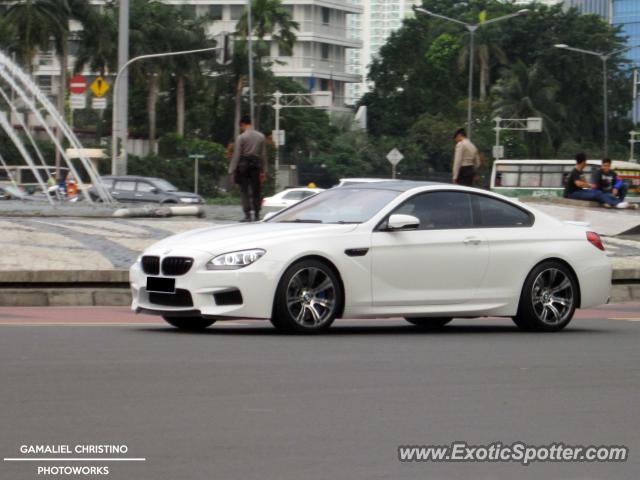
32, 96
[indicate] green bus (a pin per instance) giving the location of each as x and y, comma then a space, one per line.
546, 178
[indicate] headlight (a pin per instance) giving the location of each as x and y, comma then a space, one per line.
235, 260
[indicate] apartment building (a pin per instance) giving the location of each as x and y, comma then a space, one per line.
379, 18
318, 59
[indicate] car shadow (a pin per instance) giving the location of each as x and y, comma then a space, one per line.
344, 330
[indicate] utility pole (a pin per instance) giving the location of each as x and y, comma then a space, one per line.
121, 126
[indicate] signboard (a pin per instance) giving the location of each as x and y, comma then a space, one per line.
534, 124
78, 101
278, 137
99, 87
98, 103
394, 157
77, 84
498, 151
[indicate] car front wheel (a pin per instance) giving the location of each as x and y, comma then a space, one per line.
191, 324
428, 322
308, 298
549, 298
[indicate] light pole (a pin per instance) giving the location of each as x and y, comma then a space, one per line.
250, 55
604, 57
472, 27
114, 122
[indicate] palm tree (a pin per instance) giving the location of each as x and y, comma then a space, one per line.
485, 50
269, 18
530, 92
34, 23
98, 42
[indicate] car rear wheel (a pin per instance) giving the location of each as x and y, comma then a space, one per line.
431, 323
549, 298
191, 324
308, 298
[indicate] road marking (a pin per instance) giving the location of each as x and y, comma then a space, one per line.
628, 319
97, 324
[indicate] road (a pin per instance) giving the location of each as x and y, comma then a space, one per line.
244, 402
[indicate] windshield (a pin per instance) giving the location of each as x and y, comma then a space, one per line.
164, 185
338, 205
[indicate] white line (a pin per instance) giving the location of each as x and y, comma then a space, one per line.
141, 459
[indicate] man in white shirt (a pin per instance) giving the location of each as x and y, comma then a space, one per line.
466, 159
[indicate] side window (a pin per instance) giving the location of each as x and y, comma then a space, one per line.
107, 182
492, 212
293, 196
145, 187
439, 210
125, 185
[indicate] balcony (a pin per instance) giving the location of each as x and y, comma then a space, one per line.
313, 67
311, 30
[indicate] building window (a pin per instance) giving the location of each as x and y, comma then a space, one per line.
215, 12
236, 11
324, 51
326, 14
324, 84
284, 52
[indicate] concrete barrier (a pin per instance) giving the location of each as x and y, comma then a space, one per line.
162, 211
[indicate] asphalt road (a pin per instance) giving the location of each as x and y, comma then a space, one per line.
243, 402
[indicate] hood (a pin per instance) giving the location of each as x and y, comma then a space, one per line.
227, 238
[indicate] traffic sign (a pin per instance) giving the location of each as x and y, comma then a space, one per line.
98, 103
279, 137
99, 87
394, 157
78, 84
78, 101
498, 151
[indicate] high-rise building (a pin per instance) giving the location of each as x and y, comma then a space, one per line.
379, 18
318, 57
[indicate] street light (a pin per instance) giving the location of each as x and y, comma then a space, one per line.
472, 27
604, 57
114, 122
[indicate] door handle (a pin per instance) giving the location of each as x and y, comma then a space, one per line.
472, 241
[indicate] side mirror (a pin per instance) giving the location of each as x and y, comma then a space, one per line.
402, 222
154, 190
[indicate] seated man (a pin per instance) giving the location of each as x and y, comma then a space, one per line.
577, 188
606, 180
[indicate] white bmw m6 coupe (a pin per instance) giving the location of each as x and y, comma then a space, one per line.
423, 251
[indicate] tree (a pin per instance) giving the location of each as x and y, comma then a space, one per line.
530, 92
268, 18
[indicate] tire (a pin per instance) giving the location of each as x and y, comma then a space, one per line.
429, 323
191, 324
308, 299
549, 298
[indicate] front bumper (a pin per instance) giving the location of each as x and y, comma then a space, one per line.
196, 291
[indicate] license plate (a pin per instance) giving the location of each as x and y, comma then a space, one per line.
161, 285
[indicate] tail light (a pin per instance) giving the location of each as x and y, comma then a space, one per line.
594, 239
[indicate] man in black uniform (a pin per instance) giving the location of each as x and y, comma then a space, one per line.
249, 168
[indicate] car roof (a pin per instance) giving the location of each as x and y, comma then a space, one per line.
128, 177
396, 185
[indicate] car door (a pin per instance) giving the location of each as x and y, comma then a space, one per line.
124, 190
443, 262
507, 230
146, 192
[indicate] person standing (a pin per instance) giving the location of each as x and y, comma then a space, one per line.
248, 167
577, 188
465, 160
606, 180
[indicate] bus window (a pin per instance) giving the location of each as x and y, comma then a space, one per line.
508, 179
553, 180
529, 179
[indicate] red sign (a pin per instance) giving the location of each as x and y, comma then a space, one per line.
78, 84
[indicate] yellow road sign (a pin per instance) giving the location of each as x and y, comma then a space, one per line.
99, 87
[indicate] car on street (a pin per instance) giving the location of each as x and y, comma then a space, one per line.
131, 188
289, 197
346, 182
428, 252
